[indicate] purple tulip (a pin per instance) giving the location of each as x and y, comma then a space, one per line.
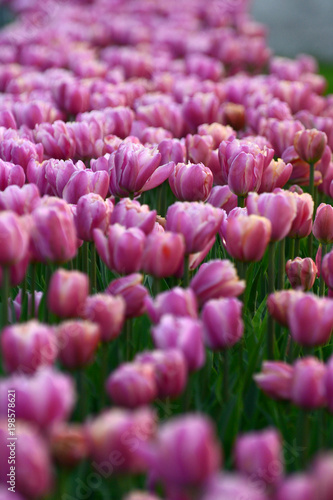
191, 182
133, 293
107, 311
11, 174
223, 324
177, 301
275, 379
308, 383
92, 212
78, 341
22, 200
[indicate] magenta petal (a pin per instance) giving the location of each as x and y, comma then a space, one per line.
160, 175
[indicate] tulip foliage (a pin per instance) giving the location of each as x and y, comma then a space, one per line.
166, 231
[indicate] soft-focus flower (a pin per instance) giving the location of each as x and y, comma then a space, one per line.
323, 224
78, 341
11, 174
199, 148
302, 223
223, 324
57, 139
310, 144
14, 238
297, 487
20, 200
67, 293
163, 254
307, 385
177, 301
92, 212
321, 473
275, 379
68, 444
132, 291
247, 237
301, 273
222, 197
107, 311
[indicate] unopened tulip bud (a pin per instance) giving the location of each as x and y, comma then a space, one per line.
191, 181
308, 387
302, 223
247, 237
107, 311
216, 279
183, 333
67, 293
259, 455
177, 301
92, 212
223, 324
129, 213
275, 379
28, 346
301, 273
323, 224
78, 341
310, 144
132, 291
163, 254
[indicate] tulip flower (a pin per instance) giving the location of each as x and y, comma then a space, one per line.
20, 200
310, 144
11, 174
129, 213
275, 379
217, 131
83, 182
57, 139
132, 385
67, 293
78, 341
183, 333
228, 486
92, 212
177, 301
302, 223
134, 294
276, 175
297, 487
255, 452
191, 182
122, 249
197, 222
281, 133
321, 473
20, 151
222, 197
247, 237
301, 273
223, 324
68, 444
115, 438
308, 386
216, 279
199, 148
323, 224
107, 311
163, 254
14, 239
58, 173
171, 150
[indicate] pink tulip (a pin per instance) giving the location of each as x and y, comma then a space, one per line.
171, 150
57, 139
302, 223
107, 311
170, 369
191, 182
78, 341
176, 301
43, 398
163, 254
84, 182
67, 293
222, 197
216, 279
247, 237
279, 207
132, 385
281, 133
135, 168
310, 319
20, 200
308, 386
115, 438
217, 131
275, 379
297, 487
92, 212
133, 293
58, 173
323, 224
36, 174
229, 486
321, 473
199, 148
33, 468
200, 108
259, 456
182, 333
223, 324
71, 96
28, 346
276, 175
121, 249
14, 239
20, 151
11, 174
197, 222
310, 144
301, 273
172, 460
129, 213
68, 444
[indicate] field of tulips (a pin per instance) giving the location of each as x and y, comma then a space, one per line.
166, 222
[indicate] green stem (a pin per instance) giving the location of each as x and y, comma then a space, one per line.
85, 257
48, 272
32, 289
322, 282
128, 330
303, 437
225, 362
282, 264
297, 247
93, 263
186, 280
241, 201
292, 248
5, 295
156, 286
270, 321
104, 370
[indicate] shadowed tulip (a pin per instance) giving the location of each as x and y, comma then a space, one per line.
308, 386
68, 444
301, 273
223, 324
275, 379
107, 311
321, 473
216, 279
191, 182
121, 249
78, 341
67, 293
297, 487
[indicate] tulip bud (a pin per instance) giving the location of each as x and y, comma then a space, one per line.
310, 144
133, 293
107, 311
259, 455
191, 182
275, 379
217, 131
223, 324
276, 175
177, 301
121, 249
28, 346
67, 293
92, 212
170, 370
132, 385
302, 223
247, 237
323, 224
216, 279
301, 273
163, 254
78, 341
308, 386
129, 213
183, 333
